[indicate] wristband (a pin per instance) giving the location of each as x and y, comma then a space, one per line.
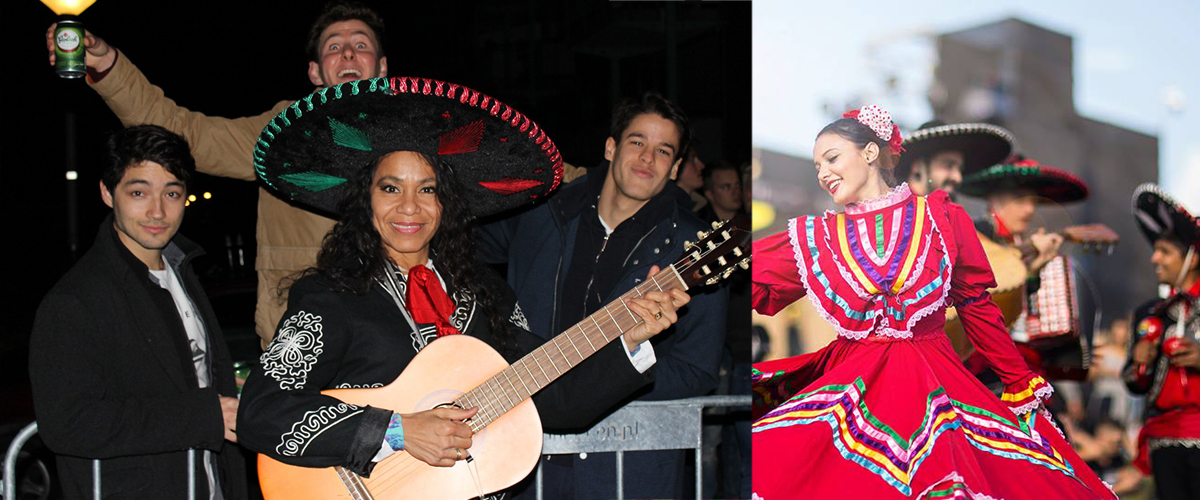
394, 436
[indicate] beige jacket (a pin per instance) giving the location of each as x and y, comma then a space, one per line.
288, 237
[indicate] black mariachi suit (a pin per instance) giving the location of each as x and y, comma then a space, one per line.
330, 340
113, 378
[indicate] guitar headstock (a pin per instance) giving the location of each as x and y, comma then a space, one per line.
717, 254
1095, 237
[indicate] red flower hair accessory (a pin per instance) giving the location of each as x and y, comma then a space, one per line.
879, 121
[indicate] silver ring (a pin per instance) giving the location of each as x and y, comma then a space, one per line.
457, 453
658, 315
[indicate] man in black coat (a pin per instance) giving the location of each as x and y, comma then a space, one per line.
128, 365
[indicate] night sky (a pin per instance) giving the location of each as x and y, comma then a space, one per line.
562, 63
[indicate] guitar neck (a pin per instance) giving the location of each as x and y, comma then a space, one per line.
546, 363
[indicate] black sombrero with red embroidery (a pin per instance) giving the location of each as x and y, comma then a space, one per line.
981, 144
1160, 215
1048, 183
502, 158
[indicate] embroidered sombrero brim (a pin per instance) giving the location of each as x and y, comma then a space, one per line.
1048, 183
981, 144
501, 157
1158, 214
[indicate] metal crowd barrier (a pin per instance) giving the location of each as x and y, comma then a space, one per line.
639, 426
9, 489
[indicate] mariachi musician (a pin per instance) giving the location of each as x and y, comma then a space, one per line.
1165, 358
1045, 327
939, 155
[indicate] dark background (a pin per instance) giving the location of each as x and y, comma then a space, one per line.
562, 63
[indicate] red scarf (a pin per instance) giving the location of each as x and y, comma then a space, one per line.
428, 302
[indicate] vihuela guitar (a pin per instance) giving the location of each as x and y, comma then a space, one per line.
464, 372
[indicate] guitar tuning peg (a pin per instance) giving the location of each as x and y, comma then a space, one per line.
701, 234
687, 245
713, 280
727, 272
721, 260
737, 251
716, 224
706, 269
745, 264
712, 246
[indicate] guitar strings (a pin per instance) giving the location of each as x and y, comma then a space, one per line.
485, 395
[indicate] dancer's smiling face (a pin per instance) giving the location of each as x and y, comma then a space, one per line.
843, 168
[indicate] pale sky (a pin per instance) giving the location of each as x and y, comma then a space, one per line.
1136, 67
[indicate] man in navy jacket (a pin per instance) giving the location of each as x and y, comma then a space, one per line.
127, 362
596, 239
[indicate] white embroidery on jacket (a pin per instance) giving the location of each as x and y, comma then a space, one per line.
294, 351
311, 425
518, 317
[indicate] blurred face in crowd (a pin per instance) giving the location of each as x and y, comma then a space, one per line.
1014, 207
644, 158
147, 210
348, 51
942, 171
691, 173
1168, 260
844, 170
726, 191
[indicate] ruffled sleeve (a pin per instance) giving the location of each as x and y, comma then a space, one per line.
776, 279
981, 317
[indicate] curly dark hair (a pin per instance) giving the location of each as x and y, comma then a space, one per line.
352, 255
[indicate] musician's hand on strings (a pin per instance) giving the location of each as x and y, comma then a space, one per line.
657, 311
1047, 245
229, 408
438, 437
1186, 354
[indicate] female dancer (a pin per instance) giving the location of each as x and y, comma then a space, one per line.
887, 410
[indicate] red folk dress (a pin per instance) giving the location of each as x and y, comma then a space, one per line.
887, 410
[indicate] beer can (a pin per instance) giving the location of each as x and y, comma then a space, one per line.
69, 52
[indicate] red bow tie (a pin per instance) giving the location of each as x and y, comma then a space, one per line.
428, 302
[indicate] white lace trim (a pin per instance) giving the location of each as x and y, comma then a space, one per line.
1040, 394
956, 477
893, 196
834, 253
946, 277
812, 297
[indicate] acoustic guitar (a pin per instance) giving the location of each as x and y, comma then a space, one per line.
464, 372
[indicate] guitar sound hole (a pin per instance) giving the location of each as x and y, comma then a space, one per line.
452, 405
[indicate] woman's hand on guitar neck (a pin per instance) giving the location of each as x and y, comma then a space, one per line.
658, 312
438, 437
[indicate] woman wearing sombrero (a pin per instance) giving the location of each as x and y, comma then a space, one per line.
407, 165
1164, 360
887, 410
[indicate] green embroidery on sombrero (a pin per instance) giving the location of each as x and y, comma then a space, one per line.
374, 84
312, 181
337, 91
348, 136
322, 92
308, 133
308, 100
295, 107
362, 115
354, 87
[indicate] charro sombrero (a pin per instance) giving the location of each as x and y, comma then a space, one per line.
1048, 183
502, 158
1158, 214
981, 144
